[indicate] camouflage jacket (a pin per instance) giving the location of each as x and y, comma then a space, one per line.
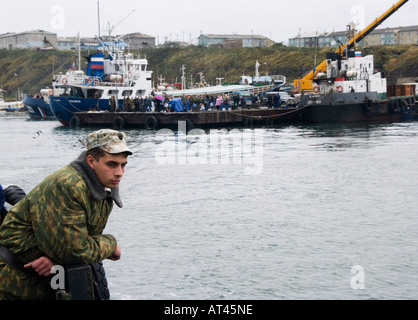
62, 218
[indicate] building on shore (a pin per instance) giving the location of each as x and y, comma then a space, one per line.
386, 36
392, 36
35, 39
72, 43
44, 40
137, 41
233, 41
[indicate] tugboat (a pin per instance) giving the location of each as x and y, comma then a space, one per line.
110, 74
350, 91
345, 87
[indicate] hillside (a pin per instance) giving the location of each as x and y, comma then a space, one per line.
32, 70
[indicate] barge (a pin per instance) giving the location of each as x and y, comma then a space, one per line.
248, 118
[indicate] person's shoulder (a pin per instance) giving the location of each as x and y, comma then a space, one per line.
69, 177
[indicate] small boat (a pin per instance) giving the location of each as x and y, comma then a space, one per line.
13, 106
110, 74
38, 106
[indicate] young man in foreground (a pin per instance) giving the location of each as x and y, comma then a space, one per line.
61, 221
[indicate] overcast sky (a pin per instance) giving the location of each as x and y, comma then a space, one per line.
187, 19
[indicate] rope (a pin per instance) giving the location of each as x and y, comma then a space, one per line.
71, 111
269, 116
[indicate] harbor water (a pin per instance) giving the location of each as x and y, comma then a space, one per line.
294, 212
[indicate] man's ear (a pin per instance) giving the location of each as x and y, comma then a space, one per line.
90, 161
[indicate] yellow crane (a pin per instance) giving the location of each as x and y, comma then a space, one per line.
305, 84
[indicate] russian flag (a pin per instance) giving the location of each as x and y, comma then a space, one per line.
73, 67
97, 63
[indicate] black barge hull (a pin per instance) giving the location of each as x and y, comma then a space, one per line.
204, 119
339, 108
335, 108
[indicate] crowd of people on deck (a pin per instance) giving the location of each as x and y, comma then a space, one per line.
156, 103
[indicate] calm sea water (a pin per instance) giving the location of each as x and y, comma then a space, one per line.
297, 212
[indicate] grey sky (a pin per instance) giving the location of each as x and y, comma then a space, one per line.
187, 19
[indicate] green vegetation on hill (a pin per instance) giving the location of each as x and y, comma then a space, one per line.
30, 70
33, 70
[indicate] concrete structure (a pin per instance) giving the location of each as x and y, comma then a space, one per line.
326, 39
36, 39
234, 40
71, 43
137, 41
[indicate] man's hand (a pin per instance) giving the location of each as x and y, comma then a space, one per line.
41, 265
116, 255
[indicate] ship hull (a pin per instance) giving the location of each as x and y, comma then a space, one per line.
37, 109
64, 108
355, 107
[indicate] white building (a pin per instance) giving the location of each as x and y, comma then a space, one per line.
234, 41
36, 39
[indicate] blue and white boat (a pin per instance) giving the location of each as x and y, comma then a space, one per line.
38, 106
13, 105
110, 73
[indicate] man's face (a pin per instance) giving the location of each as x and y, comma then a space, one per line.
109, 169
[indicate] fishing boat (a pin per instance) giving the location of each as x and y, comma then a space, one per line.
13, 106
351, 91
111, 74
38, 106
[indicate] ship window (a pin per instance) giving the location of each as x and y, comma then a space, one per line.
112, 93
140, 93
127, 93
75, 92
94, 93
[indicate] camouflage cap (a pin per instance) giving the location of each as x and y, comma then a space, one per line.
110, 141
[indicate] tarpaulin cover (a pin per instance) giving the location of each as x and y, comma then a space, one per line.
176, 104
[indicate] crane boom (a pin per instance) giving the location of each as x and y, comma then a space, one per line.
306, 82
